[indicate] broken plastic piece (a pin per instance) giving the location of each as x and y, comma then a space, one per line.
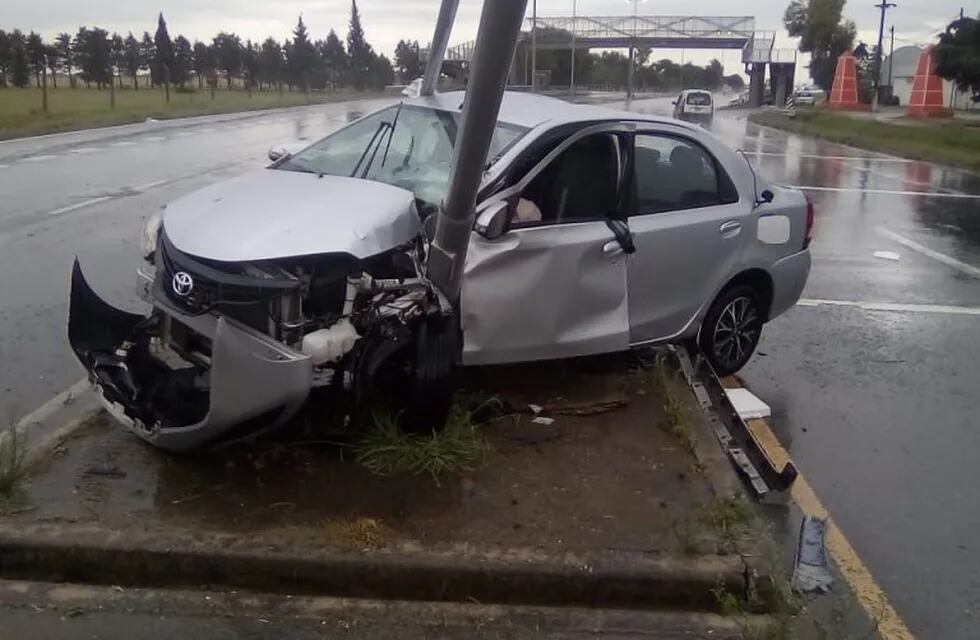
811, 572
536, 408
887, 255
543, 420
747, 405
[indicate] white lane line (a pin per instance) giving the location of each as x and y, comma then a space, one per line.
950, 261
818, 157
889, 192
83, 150
124, 143
184, 134
39, 158
891, 306
154, 139
79, 205
150, 185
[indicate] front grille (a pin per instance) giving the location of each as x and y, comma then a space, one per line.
196, 287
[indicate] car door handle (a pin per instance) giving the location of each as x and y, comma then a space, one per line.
612, 248
730, 227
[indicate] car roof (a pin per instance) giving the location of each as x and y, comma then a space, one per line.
532, 110
690, 91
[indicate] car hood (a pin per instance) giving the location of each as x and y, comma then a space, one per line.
271, 213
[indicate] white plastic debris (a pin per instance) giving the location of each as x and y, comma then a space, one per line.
536, 408
887, 255
810, 571
747, 405
543, 420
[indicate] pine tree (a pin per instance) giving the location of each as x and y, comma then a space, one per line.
270, 62
148, 53
334, 58
65, 51
301, 58
35, 54
20, 64
132, 58
163, 60
359, 53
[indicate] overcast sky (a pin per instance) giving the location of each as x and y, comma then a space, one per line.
386, 21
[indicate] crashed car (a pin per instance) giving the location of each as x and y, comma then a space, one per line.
596, 231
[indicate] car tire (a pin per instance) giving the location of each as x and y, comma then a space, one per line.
731, 329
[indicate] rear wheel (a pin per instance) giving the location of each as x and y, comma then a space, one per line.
731, 329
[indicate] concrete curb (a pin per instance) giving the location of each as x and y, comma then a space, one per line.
513, 576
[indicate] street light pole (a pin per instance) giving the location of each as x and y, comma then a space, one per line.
884, 6
534, 43
571, 82
629, 78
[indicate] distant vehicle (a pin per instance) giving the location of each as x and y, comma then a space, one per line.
739, 100
694, 105
804, 98
596, 231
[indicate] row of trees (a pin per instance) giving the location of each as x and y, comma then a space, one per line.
95, 57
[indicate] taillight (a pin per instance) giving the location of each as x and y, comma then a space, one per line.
808, 233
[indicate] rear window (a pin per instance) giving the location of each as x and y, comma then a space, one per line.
699, 99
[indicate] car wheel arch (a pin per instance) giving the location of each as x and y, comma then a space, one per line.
760, 280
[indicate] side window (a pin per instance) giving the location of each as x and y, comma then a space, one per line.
674, 173
582, 183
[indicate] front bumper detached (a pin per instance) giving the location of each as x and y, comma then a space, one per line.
246, 384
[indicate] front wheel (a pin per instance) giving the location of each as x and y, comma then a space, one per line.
731, 329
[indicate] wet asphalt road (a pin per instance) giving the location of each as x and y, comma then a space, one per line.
876, 404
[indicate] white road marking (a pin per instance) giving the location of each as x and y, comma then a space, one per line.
39, 158
889, 192
125, 143
85, 150
79, 205
891, 306
818, 157
184, 134
150, 185
950, 261
154, 139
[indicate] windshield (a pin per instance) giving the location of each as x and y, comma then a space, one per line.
699, 99
407, 146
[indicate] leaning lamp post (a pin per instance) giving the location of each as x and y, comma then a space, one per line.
500, 24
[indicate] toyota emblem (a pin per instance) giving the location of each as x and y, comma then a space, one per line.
183, 284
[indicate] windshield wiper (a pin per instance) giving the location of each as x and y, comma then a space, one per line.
391, 132
381, 127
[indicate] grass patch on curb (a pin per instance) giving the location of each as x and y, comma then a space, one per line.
80, 108
386, 450
668, 385
13, 456
953, 143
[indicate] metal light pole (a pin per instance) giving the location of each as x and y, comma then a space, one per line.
891, 57
630, 71
571, 81
884, 6
500, 24
534, 42
440, 40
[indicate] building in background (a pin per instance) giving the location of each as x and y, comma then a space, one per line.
901, 66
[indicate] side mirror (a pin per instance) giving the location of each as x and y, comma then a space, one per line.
766, 196
492, 221
277, 153
673, 102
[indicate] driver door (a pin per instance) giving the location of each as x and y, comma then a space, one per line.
553, 285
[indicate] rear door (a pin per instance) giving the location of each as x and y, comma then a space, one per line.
686, 223
554, 285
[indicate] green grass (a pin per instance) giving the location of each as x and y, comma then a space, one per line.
12, 461
80, 108
669, 387
952, 143
384, 449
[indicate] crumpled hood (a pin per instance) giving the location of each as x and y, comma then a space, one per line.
275, 214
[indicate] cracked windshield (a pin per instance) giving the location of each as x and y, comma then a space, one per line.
490, 319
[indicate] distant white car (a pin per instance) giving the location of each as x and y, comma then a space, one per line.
805, 98
694, 105
739, 100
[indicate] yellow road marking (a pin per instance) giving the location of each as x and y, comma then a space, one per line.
869, 594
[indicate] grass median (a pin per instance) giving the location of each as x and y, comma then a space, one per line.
21, 111
946, 142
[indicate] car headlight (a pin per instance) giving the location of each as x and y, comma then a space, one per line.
151, 231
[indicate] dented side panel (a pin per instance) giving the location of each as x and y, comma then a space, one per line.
544, 292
